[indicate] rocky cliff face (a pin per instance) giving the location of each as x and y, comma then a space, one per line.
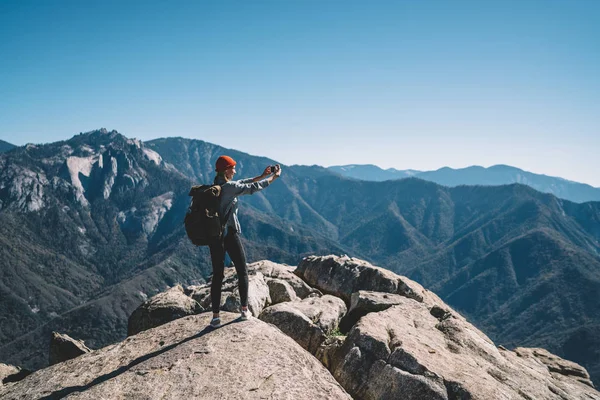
84, 168
402, 342
83, 233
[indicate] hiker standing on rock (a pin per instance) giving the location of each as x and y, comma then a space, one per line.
231, 243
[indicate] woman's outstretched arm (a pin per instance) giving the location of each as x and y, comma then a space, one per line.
265, 173
252, 185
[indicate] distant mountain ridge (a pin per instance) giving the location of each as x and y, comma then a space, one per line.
5, 146
370, 172
476, 175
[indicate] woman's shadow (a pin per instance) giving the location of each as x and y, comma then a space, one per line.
59, 394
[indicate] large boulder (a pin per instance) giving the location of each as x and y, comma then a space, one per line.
271, 270
364, 302
181, 360
295, 324
63, 348
411, 351
558, 367
162, 308
258, 293
281, 291
6, 370
10, 373
201, 293
258, 296
342, 276
21, 374
309, 321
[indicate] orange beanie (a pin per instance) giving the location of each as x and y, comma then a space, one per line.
224, 162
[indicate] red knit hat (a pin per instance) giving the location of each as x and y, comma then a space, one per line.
224, 162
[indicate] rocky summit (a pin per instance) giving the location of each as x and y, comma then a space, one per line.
402, 342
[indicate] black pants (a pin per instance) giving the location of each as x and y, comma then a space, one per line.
232, 245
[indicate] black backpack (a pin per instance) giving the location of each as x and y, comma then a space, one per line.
203, 223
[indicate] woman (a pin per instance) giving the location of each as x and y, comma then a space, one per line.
231, 242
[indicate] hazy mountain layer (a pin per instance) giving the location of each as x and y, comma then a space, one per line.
475, 175
369, 172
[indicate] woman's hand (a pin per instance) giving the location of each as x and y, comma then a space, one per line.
276, 172
266, 172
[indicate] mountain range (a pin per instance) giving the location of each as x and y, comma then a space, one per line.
91, 226
476, 175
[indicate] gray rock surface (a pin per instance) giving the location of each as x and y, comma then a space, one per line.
284, 272
258, 292
26, 188
364, 302
16, 377
295, 324
342, 276
185, 359
281, 291
309, 321
7, 370
325, 311
258, 296
407, 352
202, 295
328, 349
162, 308
63, 348
558, 367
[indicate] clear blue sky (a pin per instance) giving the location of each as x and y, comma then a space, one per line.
403, 84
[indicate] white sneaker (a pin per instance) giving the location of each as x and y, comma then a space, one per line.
215, 322
246, 315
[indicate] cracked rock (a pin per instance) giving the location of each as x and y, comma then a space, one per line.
63, 348
309, 321
406, 352
162, 308
342, 276
364, 302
